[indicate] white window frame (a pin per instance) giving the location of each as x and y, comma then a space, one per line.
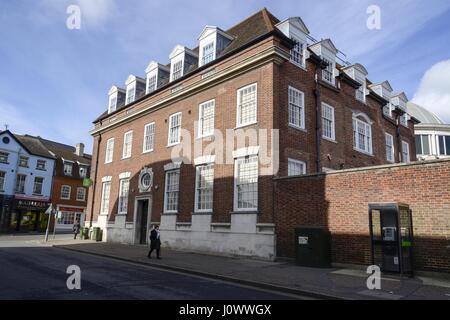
24, 161
332, 136
169, 135
69, 188
390, 156
367, 135
68, 168
173, 71
4, 156
407, 158
326, 71
78, 194
361, 90
300, 53
198, 189
127, 145
123, 196
39, 167
109, 153
201, 121
177, 191
298, 122
296, 162
149, 137
211, 44
133, 89
237, 163
150, 77
2, 181
112, 106
104, 204
20, 183
82, 171
36, 183
239, 106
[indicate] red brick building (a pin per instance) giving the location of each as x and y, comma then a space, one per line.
262, 74
69, 195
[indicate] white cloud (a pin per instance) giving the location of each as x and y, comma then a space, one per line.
434, 90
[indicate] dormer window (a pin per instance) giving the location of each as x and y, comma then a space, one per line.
182, 60
328, 72
359, 73
327, 51
208, 53
384, 90
131, 94
157, 76
177, 70
112, 103
297, 53
400, 100
212, 42
151, 83
68, 166
296, 30
135, 88
116, 98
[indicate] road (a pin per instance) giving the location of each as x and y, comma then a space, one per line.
29, 270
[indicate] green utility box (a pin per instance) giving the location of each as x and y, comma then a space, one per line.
96, 234
313, 247
84, 233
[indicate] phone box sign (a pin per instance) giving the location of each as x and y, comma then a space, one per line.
302, 240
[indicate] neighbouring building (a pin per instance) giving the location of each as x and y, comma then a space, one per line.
310, 113
26, 172
69, 194
36, 173
432, 134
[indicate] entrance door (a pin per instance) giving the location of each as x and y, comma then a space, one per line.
142, 221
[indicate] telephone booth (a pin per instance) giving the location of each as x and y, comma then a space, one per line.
391, 233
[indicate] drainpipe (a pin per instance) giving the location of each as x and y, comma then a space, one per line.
318, 119
399, 138
95, 182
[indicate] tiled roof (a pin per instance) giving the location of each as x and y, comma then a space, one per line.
257, 25
65, 152
34, 146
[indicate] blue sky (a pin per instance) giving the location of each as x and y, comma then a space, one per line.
54, 81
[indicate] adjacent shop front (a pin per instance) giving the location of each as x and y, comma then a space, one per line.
67, 215
28, 214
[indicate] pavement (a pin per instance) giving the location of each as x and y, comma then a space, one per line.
281, 276
33, 270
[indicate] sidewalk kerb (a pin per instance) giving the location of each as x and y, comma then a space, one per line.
261, 285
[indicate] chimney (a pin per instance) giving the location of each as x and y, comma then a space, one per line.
79, 149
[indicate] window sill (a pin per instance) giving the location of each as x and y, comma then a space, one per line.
364, 152
173, 144
244, 212
170, 213
199, 213
41, 169
126, 158
147, 151
84, 200
245, 125
290, 125
303, 67
64, 198
329, 139
205, 136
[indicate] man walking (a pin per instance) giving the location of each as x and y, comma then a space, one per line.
155, 242
76, 229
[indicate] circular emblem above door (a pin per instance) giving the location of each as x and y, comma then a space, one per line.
146, 180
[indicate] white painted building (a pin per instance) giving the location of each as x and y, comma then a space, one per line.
432, 134
26, 178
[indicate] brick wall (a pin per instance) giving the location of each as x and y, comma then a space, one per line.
340, 200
